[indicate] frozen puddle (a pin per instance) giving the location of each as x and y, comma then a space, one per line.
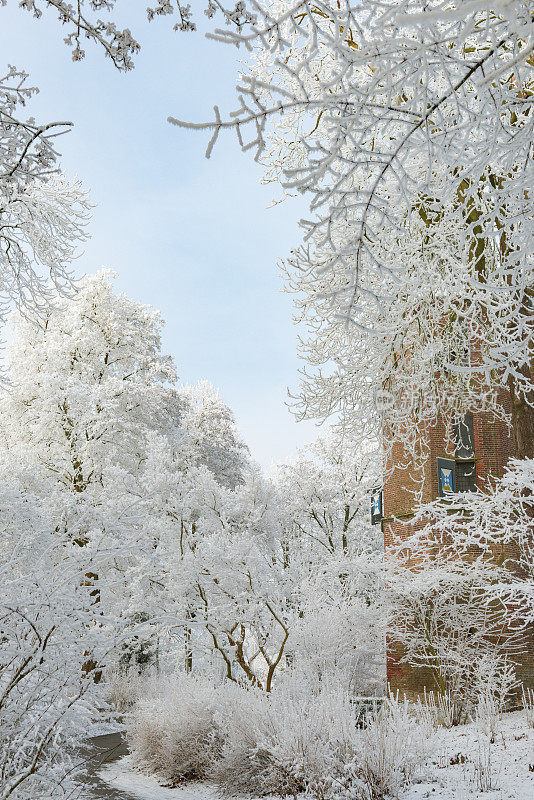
126, 780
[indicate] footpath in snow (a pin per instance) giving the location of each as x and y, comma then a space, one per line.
132, 784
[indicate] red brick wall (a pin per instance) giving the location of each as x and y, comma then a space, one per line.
493, 448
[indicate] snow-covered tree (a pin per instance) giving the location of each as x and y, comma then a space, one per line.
212, 435
180, 498
253, 580
43, 690
326, 493
42, 214
82, 23
334, 555
381, 113
241, 585
225, 586
460, 590
88, 386
88, 382
46, 629
125, 464
284, 575
429, 353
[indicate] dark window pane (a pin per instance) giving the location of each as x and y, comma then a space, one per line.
464, 438
466, 476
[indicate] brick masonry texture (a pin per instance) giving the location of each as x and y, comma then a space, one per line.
493, 448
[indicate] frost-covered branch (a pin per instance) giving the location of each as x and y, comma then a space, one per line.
42, 214
82, 22
460, 588
381, 113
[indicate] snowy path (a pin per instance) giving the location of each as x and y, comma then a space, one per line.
100, 751
110, 777
121, 777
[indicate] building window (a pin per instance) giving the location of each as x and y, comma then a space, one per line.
466, 476
464, 440
459, 474
376, 506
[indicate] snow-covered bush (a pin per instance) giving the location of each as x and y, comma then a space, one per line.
393, 746
455, 611
496, 690
289, 741
483, 765
487, 716
125, 687
294, 739
493, 691
299, 738
440, 710
173, 732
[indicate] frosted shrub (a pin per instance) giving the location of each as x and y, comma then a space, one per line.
125, 687
487, 716
484, 771
296, 739
441, 710
393, 746
290, 741
462, 619
173, 733
496, 681
496, 677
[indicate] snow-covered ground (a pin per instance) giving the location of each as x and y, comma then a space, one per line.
123, 777
460, 752
451, 774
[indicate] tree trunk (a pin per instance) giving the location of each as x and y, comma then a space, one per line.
188, 650
91, 665
523, 417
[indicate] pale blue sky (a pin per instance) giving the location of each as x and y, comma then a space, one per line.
194, 238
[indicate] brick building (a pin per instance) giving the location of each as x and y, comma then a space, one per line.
481, 447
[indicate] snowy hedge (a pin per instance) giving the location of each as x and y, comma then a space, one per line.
297, 739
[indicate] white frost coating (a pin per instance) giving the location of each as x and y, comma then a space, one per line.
84, 534
385, 114
42, 214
